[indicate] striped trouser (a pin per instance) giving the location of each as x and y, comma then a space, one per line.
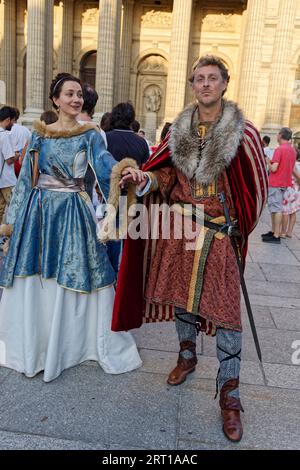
228, 342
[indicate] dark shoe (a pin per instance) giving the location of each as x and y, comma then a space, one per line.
184, 366
230, 410
271, 239
268, 234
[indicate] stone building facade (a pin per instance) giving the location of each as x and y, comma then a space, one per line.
144, 50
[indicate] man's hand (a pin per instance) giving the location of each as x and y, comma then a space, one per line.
131, 175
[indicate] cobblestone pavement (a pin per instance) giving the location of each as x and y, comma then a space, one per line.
87, 409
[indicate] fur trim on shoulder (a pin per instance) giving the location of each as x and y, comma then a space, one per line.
6, 230
222, 141
108, 229
43, 130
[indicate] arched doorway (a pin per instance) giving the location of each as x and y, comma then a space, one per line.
87, 71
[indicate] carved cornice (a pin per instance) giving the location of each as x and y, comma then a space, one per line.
157, 19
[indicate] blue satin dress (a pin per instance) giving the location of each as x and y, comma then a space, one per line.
56, 307
54, 232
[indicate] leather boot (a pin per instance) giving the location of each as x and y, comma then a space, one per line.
230, 410
184, 366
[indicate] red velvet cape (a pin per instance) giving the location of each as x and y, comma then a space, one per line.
247, 177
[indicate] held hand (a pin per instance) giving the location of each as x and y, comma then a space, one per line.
131, 175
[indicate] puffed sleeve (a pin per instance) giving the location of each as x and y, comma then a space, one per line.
109, 173
107, 170
23, 188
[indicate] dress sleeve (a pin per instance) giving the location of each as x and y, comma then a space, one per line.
107, 170
101, 161
23, 188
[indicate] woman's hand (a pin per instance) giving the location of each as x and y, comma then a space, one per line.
131, 175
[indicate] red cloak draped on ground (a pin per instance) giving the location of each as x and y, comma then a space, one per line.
247, 178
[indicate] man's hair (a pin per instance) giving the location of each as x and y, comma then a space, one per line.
135, 126
266, 139
105, 122
17, 113
90, 98
7, 112
122, 115
285, 133
206, 60
48, 117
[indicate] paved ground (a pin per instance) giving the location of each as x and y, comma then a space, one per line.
86, 409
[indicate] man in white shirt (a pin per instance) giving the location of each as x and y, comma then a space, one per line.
19, 135
267, 150
7, 157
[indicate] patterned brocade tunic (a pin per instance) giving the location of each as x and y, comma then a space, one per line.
174, 277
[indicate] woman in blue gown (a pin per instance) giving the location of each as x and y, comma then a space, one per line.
58, 282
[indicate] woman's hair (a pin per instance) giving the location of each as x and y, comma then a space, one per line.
48, 117
57, 83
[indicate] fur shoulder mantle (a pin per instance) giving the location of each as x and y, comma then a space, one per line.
44, 131
222, 142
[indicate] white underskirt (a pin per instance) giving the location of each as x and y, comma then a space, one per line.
46, 327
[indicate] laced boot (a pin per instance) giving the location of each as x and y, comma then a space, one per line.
184, 366
230, 410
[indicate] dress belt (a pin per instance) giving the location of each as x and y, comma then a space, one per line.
67, 185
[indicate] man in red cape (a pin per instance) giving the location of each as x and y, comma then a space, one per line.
211, 149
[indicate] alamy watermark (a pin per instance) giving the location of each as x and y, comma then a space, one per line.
296, 353
158, 221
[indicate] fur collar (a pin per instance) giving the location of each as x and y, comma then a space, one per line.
222, 141
44, 130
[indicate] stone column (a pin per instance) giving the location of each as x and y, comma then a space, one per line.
36, 59
65, 59
1, 39
49, 52
279, 96
8, 48
126, 46
108, 47
251, 59
179, 52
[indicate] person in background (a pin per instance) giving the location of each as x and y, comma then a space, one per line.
135, 126
142, 134
90, 97
291, 204
267, 150
281, 168
105, 123
122, 141
163, 135
8, 116
20, 137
